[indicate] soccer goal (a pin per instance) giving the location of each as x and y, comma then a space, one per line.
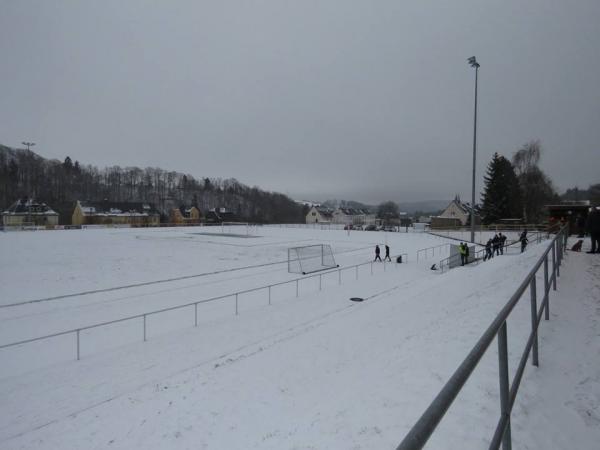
235, 227
310, 258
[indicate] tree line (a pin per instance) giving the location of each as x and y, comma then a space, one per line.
24, 173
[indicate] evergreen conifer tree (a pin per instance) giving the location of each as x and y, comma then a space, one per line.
502, 195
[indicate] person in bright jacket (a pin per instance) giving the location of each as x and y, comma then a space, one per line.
462, 249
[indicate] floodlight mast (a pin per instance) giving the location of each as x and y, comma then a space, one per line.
473, 63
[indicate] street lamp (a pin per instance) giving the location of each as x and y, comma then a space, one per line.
473, 63
28, 144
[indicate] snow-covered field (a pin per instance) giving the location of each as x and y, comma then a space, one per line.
313, 371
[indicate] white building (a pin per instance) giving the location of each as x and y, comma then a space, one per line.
350, 216
318, 214
459, 210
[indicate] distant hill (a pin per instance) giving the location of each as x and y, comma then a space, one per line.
24, 173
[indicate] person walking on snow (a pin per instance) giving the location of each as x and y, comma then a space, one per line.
377, 252
387, 253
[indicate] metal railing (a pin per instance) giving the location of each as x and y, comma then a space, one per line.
424, 252
426, 425
478, 257
142, 317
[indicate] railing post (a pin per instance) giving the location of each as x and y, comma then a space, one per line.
195, 314
144, 316
236, 304
504, 384
384, 265
534, 351
296, 288
554, 265
340, 276
78, 344
269, 294
320, 281
546, 290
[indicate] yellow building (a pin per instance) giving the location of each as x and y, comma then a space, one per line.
115, 213
27, 212
185, 216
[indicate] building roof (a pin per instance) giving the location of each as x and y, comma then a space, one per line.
107, 208
28, 206
325, 212
353, 211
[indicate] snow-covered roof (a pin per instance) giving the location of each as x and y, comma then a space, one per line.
29, 207
115, 209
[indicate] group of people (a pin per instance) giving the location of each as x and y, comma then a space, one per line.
495, 246
378, 253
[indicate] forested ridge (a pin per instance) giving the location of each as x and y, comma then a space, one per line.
23, 173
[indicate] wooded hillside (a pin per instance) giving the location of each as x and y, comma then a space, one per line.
24, 173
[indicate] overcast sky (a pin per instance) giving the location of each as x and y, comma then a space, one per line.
363, 100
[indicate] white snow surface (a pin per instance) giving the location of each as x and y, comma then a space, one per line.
309, 372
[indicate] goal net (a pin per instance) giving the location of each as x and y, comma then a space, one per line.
310, 258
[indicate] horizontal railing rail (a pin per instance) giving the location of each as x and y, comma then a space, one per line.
427, 423
424, 252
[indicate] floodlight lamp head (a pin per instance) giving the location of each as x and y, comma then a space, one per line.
473, 62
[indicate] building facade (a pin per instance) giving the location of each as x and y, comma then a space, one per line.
28, 212
318, 214
115, 213
183, 215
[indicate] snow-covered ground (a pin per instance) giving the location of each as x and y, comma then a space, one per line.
309, 372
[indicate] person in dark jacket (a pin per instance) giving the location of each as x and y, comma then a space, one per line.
524, 241
488, 250
496, 245
502, 242
377, 252
593, 227
387, 254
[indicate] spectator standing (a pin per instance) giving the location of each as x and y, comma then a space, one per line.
502, 242
496, 245
524, 241
462, 249
593, 227
488, 250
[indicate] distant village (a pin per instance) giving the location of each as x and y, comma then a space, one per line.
27, 212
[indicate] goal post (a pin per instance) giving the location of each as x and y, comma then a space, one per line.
310, 258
